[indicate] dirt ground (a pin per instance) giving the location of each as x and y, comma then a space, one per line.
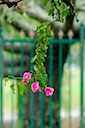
75, 123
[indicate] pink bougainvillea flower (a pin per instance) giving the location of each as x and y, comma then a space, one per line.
35, 87
49, 91
25, 81
26, 77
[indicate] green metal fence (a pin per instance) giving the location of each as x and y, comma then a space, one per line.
21, 115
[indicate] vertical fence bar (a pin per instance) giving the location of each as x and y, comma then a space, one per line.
41, 110
12, 74
70, 59
60, 79
1, 77
84, 75
21, 97
81, 75
50, 84
31, 93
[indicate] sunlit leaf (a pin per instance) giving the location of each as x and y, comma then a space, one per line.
6, 79
21, 87
12, 87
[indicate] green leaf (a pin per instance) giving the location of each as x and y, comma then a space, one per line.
33, 59
35, 68
64, 13
63, 6
12, 87
45, 2
29, 83
21, 87
6, 79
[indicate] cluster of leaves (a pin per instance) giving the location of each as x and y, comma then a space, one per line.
12, 82
17, 82
44, 33
58, 10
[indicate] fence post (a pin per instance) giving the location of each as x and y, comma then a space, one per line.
1, 77
60, 79
51, 85
31, 94
81, 75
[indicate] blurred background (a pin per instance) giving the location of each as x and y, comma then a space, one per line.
65, 64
